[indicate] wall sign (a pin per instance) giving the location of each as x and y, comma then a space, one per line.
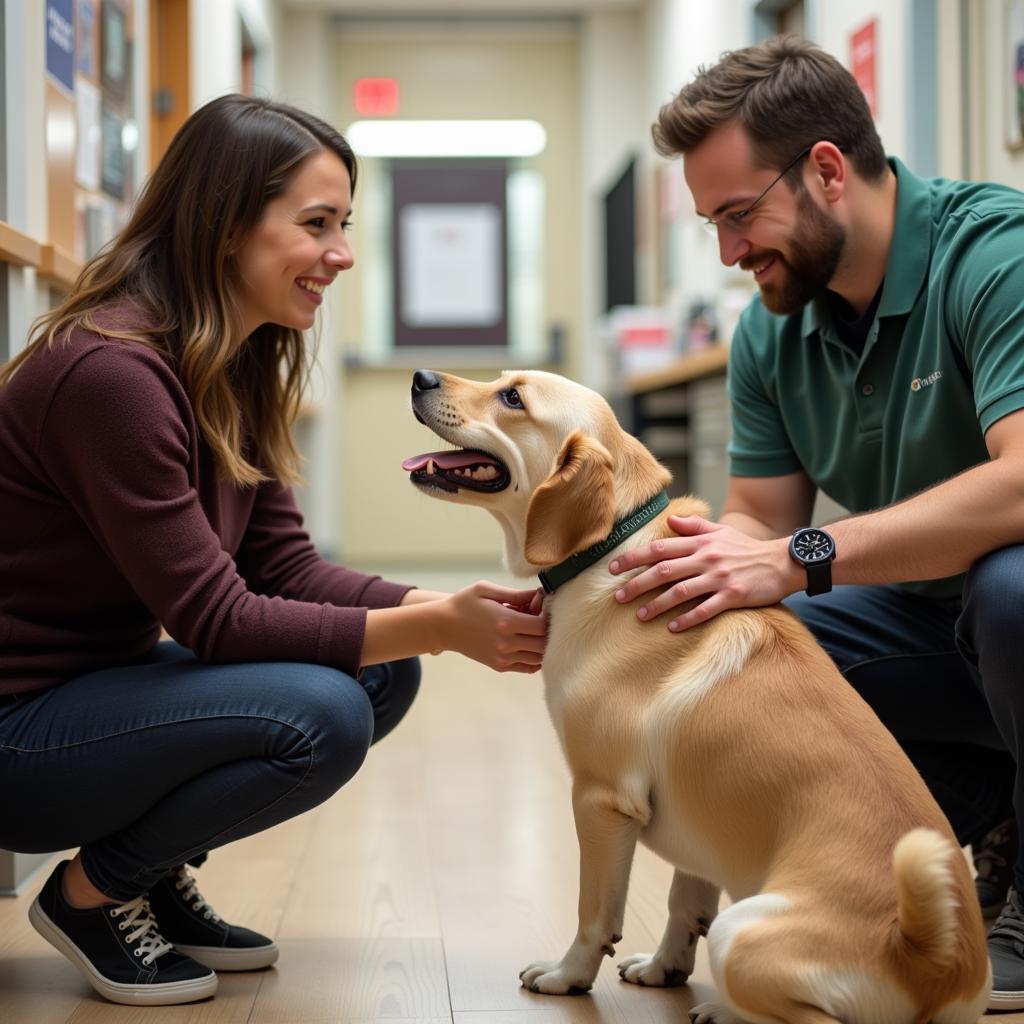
864, 62
60, 42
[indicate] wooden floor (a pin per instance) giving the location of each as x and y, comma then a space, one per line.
417, 893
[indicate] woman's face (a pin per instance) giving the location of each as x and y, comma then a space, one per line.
298, 247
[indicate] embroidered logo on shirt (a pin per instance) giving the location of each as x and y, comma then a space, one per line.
924, 382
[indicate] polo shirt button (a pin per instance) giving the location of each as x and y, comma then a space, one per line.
868, 389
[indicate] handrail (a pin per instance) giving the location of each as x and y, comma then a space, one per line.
18, 248
52, 262
58, 267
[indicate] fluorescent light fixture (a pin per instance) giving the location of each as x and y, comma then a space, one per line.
447, 138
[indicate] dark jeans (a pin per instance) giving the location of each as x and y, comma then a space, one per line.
945, 677
149, 765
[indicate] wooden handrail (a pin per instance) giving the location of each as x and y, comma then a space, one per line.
18, 248
57, 266
52, 262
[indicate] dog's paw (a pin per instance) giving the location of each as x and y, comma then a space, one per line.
714, 1013
645, 969
549, 977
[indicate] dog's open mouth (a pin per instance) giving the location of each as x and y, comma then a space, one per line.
450, 471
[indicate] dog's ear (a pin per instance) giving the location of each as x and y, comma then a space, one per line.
575, 506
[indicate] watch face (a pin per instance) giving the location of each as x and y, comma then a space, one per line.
813, 546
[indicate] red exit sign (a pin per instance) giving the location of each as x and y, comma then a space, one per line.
378, 96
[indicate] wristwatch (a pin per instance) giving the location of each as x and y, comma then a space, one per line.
814, 549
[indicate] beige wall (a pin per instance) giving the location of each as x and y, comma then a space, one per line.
446, 71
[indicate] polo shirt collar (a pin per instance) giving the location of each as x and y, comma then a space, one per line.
908, 261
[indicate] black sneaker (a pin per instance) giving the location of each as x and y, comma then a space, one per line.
1006, 951
189, 922
119, 949
994, 858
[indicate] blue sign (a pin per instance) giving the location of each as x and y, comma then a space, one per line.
60, 42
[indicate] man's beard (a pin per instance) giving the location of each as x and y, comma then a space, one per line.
815, 249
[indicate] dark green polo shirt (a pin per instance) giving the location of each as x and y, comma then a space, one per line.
943, 360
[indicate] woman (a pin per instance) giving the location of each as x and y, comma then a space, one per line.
145, 469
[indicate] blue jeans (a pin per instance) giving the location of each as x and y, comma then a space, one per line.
149, 765
945, 677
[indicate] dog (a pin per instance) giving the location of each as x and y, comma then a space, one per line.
734, 750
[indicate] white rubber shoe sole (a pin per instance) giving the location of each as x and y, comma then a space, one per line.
167, 994
224, 958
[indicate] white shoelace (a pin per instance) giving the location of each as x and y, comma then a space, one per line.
186, 885
151, 943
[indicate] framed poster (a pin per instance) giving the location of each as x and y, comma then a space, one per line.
88, 39
1014, 74
114, 49
87, 163
60, 42
111, 152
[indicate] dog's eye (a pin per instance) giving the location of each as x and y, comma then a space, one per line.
510, 396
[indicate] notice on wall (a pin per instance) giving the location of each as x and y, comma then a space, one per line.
60, 42
864, 62
451, 265
87, 162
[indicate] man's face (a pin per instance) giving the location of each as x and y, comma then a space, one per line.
791, 244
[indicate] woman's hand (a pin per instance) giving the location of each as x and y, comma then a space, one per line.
714, 564
498, 626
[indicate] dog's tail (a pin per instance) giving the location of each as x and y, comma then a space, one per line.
926, 894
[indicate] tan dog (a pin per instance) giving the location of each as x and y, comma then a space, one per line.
734, 750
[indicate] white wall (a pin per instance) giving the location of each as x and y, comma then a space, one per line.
612, 128
304, 78
630, 67
995, 162
215, 38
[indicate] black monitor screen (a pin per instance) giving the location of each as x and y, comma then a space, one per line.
620, 241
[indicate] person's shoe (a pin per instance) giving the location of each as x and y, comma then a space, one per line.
994, 858
190, 924
1006, 951
119, 949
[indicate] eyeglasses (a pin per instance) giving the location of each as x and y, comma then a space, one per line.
736, 220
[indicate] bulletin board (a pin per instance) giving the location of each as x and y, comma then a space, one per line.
91, 136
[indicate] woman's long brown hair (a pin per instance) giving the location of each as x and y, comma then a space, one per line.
174, 261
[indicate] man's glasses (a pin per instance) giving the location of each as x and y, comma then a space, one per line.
736, 220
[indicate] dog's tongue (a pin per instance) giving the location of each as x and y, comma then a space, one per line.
448, 460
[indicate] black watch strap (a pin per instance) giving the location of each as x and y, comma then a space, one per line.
819, 577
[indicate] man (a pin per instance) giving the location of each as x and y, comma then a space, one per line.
882, 362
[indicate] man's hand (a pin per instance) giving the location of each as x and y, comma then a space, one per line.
714, 564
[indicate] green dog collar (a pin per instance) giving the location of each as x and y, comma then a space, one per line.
553, 578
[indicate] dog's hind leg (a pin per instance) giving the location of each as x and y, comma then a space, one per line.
771, 963
607, 838
692, 906
715, 1013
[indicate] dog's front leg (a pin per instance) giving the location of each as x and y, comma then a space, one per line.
607, 837
692, 906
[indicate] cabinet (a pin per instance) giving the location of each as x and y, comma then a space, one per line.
681, 413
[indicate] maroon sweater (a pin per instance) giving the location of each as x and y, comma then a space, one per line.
113, 522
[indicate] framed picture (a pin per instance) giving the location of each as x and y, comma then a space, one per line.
1015, 74
112, 162
114, 49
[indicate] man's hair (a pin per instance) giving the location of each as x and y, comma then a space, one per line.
175, 263
788, 94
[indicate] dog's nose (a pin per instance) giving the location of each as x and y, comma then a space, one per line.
425, 380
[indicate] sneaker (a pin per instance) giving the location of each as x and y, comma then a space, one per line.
993, 864
190, 924
1006, 951
119, 949
994, 858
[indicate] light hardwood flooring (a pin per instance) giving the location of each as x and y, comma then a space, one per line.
417, 893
